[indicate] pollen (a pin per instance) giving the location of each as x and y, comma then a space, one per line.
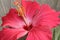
20, 9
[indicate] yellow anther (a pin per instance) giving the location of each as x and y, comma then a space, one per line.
20, 9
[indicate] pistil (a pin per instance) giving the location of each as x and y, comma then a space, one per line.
21, 10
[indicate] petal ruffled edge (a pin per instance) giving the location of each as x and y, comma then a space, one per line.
10, 34
12, 19
47, 16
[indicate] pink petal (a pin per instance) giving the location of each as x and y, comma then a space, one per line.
12, 19
10, 34
46, 16
59, 16
31, 8
40, 33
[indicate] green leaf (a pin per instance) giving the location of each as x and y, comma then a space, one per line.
56, 33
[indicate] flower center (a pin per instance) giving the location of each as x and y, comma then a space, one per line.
28, 28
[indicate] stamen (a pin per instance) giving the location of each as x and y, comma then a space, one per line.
21, 10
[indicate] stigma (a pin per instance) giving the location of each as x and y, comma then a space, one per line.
20, 9
21, 12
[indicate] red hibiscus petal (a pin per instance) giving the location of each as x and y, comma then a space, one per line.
10, 34
12, 19
46, 16
59, 16
30, 8
40, 33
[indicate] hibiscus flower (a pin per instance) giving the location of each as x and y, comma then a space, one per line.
29, 18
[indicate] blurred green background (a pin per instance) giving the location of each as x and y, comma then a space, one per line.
5, 5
